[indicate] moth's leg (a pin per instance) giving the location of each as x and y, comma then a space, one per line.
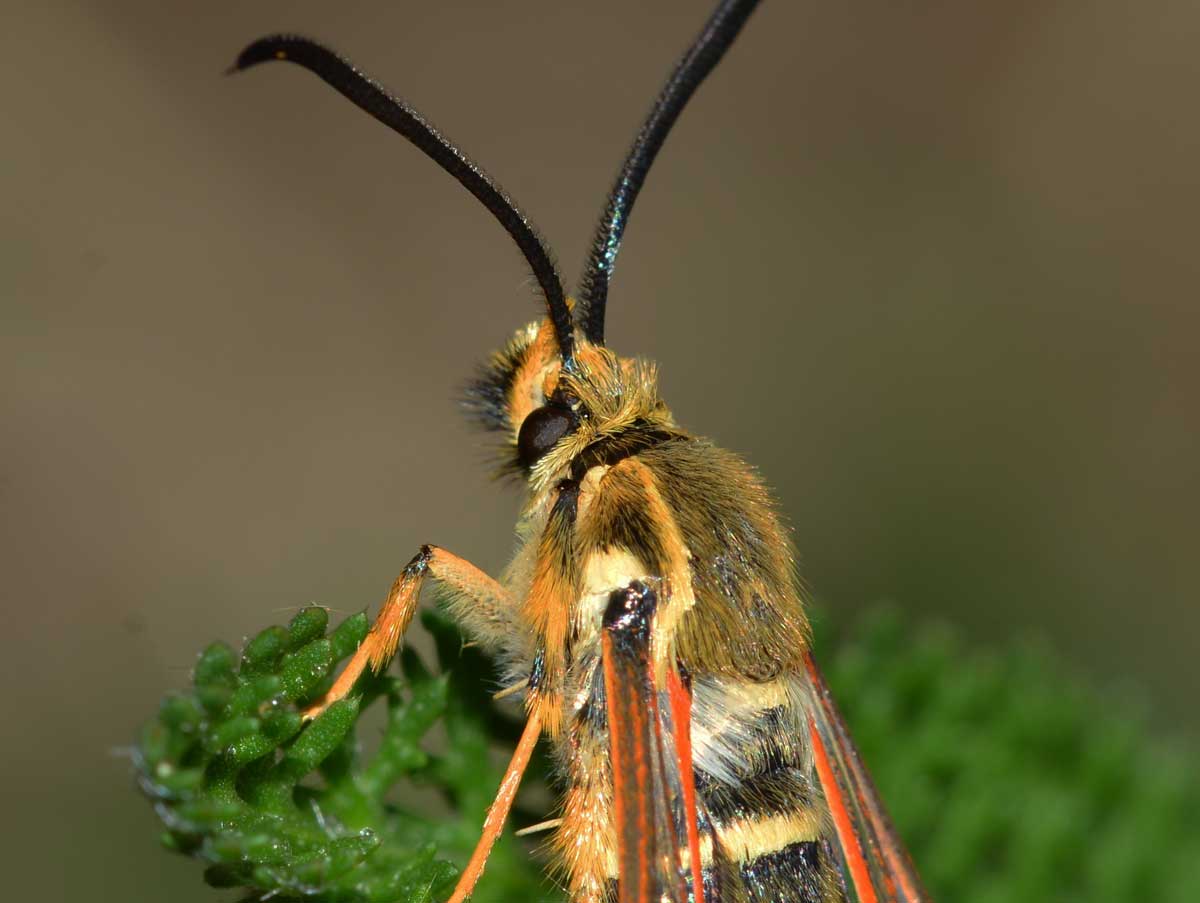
493, 823
473, 589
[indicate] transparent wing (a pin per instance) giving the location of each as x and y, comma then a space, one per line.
875, 862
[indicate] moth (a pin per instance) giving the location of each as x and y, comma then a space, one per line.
651, 619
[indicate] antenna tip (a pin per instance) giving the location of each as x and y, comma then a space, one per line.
263, 50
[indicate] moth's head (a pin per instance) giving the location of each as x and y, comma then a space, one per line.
547, 410
555, 388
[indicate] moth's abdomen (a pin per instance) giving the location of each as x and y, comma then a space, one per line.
752, 769
753, 772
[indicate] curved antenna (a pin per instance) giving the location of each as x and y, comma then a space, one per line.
371, 98
706, 51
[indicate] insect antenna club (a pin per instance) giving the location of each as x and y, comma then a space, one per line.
650, 620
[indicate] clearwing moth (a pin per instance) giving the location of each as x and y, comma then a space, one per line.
651, 619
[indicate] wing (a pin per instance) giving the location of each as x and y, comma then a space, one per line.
660, 826
663, 829
874, 860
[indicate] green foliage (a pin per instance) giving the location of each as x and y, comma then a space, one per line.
1008, 779
297, 812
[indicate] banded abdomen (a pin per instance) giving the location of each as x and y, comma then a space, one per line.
753, 772
769, 834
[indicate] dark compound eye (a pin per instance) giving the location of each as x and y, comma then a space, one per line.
541, 430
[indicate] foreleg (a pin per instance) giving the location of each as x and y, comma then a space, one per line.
483, 603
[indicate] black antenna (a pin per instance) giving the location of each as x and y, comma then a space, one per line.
706, 51
370, 97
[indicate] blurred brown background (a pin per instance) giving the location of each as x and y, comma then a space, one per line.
931, 267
